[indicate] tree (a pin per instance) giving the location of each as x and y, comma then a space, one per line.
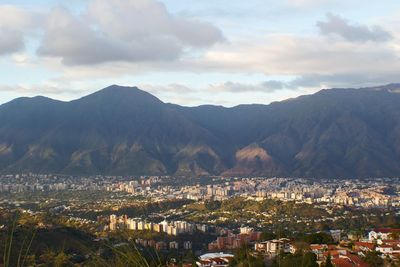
319, 238
328, 261
267, 236
242, 258
373, 259
212, 205
309, 260
61, 260
299, 259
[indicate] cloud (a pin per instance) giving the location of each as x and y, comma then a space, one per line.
348, 80
353, 33
123, 30
295, 55
15, 23
11, 41
173, 88
45, 89
237, 87
130, 40
315, 61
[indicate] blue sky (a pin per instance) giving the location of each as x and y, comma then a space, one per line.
194, 52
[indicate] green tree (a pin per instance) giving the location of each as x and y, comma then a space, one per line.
242, 258
309, 260
374, 259
328, 261
318, 238
212, 205
267, 236
300, 259
61, 260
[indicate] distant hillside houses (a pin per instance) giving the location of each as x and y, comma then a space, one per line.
384, 234
235, 241
274, 247
170, 228
214, 259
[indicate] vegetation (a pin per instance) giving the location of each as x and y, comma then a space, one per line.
140, 135
243, 258
328, 262
299, 259
374, 259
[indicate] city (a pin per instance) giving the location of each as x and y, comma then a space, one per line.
187, 133
184, 219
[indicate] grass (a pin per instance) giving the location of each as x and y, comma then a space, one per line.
9, 249
128, 255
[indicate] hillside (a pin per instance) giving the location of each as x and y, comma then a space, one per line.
126, 131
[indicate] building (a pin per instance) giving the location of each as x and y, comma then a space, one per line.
336, 235
173, 245
113, 222
319, 250
148, 226
246, 230
161, 245
140, 225
171, 230
187, 245
131, 224
388, 247
273, 247
383, 233
214, 259
157, 228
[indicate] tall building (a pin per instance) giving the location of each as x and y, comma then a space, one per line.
173, 245
187, 245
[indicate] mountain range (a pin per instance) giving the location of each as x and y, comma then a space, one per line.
343, 133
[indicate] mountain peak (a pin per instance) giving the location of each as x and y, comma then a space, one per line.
118, 89
119, 93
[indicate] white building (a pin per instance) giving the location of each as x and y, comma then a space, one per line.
214, 260
246, 230
187, 245
173, 245
383, 233
273, 247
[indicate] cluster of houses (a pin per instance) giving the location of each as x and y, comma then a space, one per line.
235, 241
161, 245
170, 228
273, 247
214, 260
385, 241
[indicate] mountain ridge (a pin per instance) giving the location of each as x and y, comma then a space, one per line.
126, 131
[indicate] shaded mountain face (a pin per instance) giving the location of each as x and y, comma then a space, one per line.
126, 131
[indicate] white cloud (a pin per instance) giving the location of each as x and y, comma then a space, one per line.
352, 32
173, 88
123, 30
296, 55
14, 25
46, 89
238, 87
315, 60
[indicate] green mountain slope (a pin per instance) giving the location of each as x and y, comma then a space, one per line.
126, 131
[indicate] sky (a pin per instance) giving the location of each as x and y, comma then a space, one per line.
192, 52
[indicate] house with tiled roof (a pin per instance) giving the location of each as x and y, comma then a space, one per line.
382, 233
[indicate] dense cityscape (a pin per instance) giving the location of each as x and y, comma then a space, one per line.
205, 220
